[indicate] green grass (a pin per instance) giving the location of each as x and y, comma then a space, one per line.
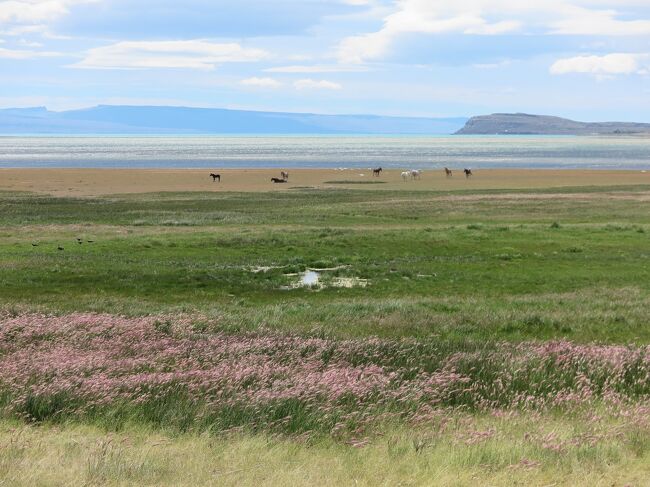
482, 268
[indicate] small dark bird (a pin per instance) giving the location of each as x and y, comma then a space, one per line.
78, 239
60, 248
79, 242
90, 241
34, 244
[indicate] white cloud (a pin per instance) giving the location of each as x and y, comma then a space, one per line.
195, 54
311, 84
21, 30
35, 11
25, 54
26, 43
582, 21
610, 64
261, 82
494, 17
423, 17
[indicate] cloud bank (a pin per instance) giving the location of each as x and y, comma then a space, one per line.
610, 64
311, 84
493, 17
194, 54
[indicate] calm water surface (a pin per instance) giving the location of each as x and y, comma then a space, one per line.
326, 151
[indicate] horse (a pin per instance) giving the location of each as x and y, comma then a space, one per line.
406, 175
278, 180
416, 173
215, 177
448, 172
468, 172
285, 175
377, 172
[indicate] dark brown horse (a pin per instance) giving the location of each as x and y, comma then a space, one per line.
377, 172
215, 177
448, 172
468, 172
278, 180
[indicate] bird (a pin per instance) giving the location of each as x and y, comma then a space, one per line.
90, 241
60, 248
34, 244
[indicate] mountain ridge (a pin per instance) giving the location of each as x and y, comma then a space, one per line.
529, 124
129, 119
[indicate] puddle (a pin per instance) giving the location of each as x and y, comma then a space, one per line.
309, 278
312, 278
315, 278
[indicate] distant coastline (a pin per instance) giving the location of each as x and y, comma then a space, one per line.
164, 120
526, 124
189, 121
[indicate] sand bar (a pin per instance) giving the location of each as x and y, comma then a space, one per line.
95, 182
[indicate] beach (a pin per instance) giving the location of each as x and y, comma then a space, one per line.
98, 182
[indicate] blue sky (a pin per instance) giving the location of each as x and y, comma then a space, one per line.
585, 59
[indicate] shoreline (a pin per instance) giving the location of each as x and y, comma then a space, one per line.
88, 182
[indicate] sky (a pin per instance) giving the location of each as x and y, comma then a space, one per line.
584, 59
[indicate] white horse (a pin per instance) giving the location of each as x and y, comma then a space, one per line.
406, 175
416, 173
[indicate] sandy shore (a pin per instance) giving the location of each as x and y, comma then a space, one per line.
93, 182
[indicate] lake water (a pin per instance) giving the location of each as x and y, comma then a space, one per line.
326, 151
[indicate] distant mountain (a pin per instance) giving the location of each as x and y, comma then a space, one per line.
524, 124
105, 119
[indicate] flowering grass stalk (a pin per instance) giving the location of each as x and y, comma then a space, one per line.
161, 370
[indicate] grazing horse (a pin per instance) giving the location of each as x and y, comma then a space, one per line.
406, 175
215, 177
285, 175
278, 180
448, 172
377, 172
416, 173
468, 172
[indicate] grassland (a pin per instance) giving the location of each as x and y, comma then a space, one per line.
486, 266
469, 451
473, 273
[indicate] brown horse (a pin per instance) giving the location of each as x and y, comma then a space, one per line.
468, 172
377, 172
448, 172
215, 177
285, 175
278, 180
